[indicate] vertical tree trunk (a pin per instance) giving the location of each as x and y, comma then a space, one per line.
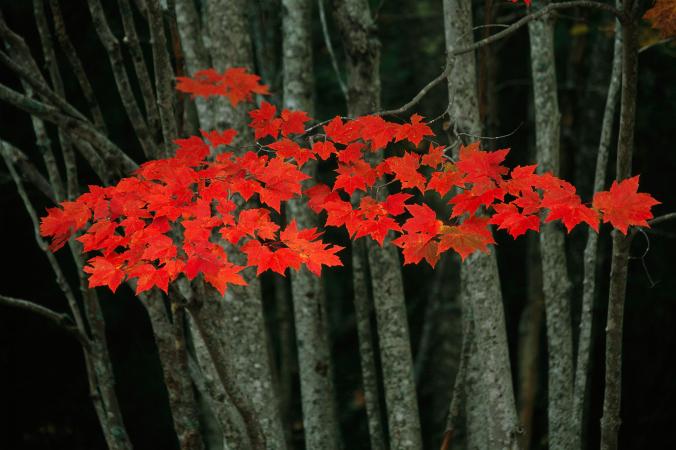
591, 250
489, 371
362, 52
320, 422
610, 423
555, 281
171, 348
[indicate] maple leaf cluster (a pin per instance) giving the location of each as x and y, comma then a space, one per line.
190, 214
662, 17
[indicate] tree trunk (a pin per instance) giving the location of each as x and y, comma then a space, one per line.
610, 423
555, 280
490, 392
362, 52
591, 250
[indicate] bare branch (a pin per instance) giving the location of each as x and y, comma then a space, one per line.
662, 219
63, 321
164, 74
112, 46
76, 65
28, 171
496, 37
134, 46
329, 48
110, 152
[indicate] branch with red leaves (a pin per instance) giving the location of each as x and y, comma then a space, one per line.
133, 226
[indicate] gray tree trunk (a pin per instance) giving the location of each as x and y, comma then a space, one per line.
362, 53
610, 422
320, 421
555, 282
591, 250
490, 396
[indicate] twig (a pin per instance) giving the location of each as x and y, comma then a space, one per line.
63, 321
140, 68
76, 65
112, 46
459, 384
28, 171
661, 219
164, 74
84, 130
329, 48
498, 36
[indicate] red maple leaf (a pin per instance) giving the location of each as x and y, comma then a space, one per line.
103, 272
480, 166
286, 148
264, 258
624, 206
435, 156
263, 121
61, 223
293, 122
414, 131
351, 177
217, 138
418, 246
442, 182
568, 207
324, 149
471, 235
405, 170
508, 217
312, 252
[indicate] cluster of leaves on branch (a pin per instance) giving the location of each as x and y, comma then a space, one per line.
175, 216
662, 17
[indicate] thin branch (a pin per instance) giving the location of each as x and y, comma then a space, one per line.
112, 46
134, 46
76, 65
329, 48
57, 84
28, 171
164, 74
661, 219
498, 36
458, 396
84, 130
63, 321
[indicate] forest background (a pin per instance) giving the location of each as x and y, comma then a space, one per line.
44, 400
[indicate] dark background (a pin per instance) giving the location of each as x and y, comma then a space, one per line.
44, 401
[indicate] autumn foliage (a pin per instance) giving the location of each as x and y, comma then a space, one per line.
189, 214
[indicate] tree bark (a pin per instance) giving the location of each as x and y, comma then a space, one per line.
490, 392
555, 281
610, 422
362, 53
320, 422
591, 250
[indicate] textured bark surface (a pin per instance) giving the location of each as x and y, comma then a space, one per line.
395, 346
362, 55
610, 423
555, 281
363, 306
591, 250
481, 287
530, 331
226, 38
195, 53
362, 52
490, 395
320, 421
171, 349
437, 360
